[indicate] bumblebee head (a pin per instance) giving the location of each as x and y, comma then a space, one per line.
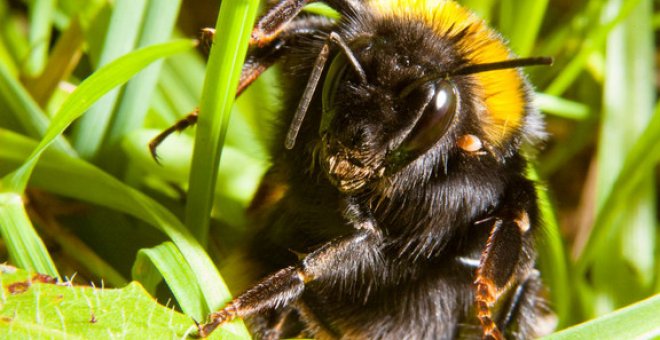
413, 82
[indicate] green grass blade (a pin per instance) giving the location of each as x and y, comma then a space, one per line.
179, 97
6, 52
78, 179
224, 68
14, 39
561, 107
181, 280
41, 19
642, 157
523, 30
61, 63
632, 104
159, 21
594, 42
238, 174
189, 69
120, 38
25, 110
628, 92
623, 272
553, 262
483, 8
624, 257
552, 255
89, 91
23, 244
322, 9
638, 321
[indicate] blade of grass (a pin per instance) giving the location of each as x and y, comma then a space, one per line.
523, 31
483, 8
593, 42
14, 38
638, 321
181, 280
158, 23
23, 244
322, 9
90, 90
224, 68
6, 55
179, 98
623, 272
553, 262
238, 175
64, 58
120, 39
56, 311
561, 107
189, 69
638, 242
33, 120
40, 21
552, 255
78, 179
643, 155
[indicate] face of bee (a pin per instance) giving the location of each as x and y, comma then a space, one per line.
406, 107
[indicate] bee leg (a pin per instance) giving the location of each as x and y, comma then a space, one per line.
359, 249
275, 20
270, 25
525, 309
507, 258
271, 325
256, 63
180, 125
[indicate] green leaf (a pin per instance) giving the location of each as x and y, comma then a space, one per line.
63, 59
182, 281
159, 20
125, 25
322, 9
24, 109
23, 243
73, 177
624, 273
34, 306
591, 44
41, 18
89, 91
638, 321
552, 255
643, 155
523, 22
561, 107
224, 68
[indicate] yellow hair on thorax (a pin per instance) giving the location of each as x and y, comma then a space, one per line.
501, 91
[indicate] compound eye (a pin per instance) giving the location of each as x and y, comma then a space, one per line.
435, 119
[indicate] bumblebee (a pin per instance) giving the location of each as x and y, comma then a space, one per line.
397, 206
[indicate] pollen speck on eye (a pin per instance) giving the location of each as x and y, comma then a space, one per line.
469, 143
